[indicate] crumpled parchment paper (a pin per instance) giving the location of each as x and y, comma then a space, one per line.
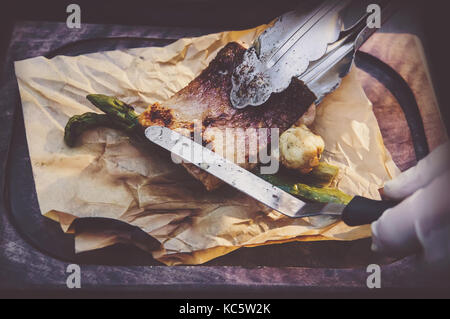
105, 176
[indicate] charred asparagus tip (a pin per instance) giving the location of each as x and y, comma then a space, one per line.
115, 107
77, 124
119, 115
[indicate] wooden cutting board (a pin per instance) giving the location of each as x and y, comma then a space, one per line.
404, 53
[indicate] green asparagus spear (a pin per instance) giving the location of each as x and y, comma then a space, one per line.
79, 123
122, 116
320, 194
119, 115
321, 175
115, 108
290, 183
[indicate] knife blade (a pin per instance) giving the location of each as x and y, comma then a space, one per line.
358, 212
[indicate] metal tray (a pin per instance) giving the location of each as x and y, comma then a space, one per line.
46, 235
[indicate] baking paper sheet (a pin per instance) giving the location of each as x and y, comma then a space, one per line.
105, 176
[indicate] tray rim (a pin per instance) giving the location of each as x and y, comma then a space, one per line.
68, 46
18, 270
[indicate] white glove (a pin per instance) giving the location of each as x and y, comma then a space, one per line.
421, 222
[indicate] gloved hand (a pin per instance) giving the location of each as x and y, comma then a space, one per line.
420, 223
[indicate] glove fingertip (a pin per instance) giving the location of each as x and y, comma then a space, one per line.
375, 242
393, 189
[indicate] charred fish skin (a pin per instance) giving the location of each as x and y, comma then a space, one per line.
206, 99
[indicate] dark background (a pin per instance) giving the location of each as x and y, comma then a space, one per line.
430, 17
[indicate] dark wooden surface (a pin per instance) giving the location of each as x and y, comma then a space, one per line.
24, 267
404, 53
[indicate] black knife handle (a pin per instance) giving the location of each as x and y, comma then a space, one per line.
362, 211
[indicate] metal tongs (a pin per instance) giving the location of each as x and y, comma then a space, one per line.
315, 43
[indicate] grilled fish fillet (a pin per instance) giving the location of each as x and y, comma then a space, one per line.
205, 100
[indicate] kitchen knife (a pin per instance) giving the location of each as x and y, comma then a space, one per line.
358, 211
